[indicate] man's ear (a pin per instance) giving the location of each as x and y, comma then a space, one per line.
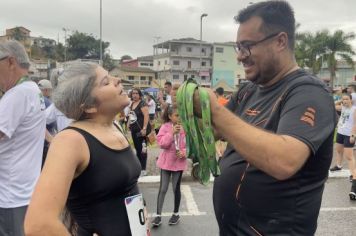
282, 41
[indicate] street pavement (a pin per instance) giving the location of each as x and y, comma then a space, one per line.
337, 214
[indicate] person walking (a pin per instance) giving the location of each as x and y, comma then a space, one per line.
172, 162
22, 134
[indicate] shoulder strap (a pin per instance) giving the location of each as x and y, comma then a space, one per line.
87, 136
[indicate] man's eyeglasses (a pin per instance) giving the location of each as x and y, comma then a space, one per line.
245, 47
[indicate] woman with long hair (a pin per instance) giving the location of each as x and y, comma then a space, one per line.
139, 126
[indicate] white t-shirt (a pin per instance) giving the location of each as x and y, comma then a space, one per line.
346, 120
55, 115
169, 99
151, 107
353, 96
22, 120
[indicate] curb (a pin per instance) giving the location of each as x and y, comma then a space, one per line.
156, 178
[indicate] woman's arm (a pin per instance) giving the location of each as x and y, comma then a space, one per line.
66, 158
144, 110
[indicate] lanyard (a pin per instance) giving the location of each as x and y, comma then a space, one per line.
176, 140
23, 79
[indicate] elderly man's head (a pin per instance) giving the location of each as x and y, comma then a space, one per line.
14, 63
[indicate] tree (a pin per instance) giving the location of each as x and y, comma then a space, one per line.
313, 49
59, 52
125, 57
84, 46
337, 45
108, 62
308, 47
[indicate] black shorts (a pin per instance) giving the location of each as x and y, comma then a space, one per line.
345, 140
152, 116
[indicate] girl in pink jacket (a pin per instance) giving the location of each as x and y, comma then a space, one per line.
172, 161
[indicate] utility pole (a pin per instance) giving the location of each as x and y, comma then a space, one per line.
101, 34
65, 43
201, 38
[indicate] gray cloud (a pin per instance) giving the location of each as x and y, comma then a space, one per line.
131, 25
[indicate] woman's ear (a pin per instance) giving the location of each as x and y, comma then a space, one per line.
88, 110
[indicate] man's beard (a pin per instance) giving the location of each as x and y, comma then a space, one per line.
267, 72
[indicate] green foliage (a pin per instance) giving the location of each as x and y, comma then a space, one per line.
84, 46
313, 49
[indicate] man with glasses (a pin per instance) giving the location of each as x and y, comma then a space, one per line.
22, 131
279, 129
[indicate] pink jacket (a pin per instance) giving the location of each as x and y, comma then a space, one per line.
168, 159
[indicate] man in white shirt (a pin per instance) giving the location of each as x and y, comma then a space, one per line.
166, 99
22, 131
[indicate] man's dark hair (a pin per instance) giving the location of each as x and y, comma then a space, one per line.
277, 16
220, 91
168, 83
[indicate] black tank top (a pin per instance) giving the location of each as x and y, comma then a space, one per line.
96, 197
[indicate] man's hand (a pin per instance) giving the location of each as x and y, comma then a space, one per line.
196, 99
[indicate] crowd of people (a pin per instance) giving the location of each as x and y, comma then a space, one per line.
273, 171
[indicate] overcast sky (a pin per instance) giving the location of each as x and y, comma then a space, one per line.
132, 25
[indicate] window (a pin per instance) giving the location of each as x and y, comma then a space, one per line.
159, 62
189, 49
203, 63
203, 50
219, 50
203, 77
189, 64
142, 78
144, 64
185, 77
151, 64
130, 77
175, 77
176, 63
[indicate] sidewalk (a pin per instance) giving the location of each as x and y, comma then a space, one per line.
153, 171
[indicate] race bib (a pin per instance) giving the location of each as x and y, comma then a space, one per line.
137, 216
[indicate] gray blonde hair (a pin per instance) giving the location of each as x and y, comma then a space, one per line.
55, 73
15, 49
72, 94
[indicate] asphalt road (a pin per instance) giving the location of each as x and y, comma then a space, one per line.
337, 215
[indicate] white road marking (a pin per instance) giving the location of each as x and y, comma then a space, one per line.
328, 209
190, 203
189, 198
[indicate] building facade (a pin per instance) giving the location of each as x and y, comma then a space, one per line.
179, 59
139, 77
227, 71
345, 74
